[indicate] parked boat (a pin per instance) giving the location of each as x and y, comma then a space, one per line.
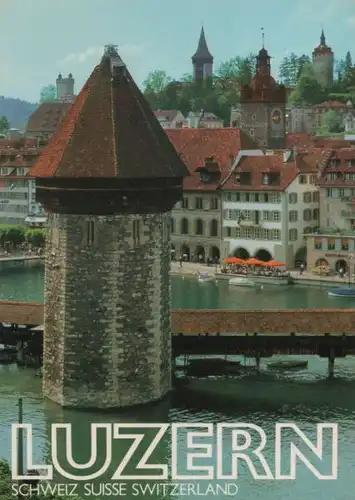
241, 282
342, 292
212, 366
202, 277
271, 280
287, 365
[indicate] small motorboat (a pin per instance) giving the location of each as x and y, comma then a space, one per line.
202, 277
342, 292
288, 365
241, 282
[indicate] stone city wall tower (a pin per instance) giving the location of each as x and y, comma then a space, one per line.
108, 179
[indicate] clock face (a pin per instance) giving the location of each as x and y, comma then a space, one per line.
276, 116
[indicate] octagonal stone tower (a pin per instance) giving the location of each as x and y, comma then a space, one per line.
108, 179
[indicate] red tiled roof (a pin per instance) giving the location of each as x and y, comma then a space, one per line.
330, 105
343, 155
197, 144
109, 132
331, 142
302, 163
47, 117
298, 138
259, 165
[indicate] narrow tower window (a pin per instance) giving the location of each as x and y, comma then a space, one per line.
90, 232
136, 232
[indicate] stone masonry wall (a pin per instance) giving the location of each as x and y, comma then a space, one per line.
54, 312
112, 345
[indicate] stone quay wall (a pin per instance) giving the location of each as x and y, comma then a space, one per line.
107, 341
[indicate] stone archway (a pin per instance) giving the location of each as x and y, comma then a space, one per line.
301, 254
172, 251
242, 253
215, 254
185, 252
200, 254
263, 255
322, 263
341, 264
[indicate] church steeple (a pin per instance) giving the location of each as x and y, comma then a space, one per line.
202, 51
322, 38
202, 60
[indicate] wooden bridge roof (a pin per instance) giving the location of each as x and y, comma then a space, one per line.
191, 321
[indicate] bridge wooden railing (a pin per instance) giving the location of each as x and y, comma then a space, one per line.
192, 321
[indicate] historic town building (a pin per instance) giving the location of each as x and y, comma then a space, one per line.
323, 63
196, 220
170, 118
17, 191
268, 203
202, 60
108, 179
334, 241
262, 106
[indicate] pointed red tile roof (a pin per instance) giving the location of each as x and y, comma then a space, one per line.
110, 132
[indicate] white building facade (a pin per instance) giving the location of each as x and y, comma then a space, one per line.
270, 224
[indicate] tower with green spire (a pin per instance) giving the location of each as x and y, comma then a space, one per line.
202, 60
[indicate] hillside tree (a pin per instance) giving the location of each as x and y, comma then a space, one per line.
307, 90
48, 93
4, 125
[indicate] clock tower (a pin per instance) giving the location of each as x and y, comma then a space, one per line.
263, 106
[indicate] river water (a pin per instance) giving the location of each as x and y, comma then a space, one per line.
303, 397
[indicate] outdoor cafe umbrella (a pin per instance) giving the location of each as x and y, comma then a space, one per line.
273, 263
234, 260
254, 262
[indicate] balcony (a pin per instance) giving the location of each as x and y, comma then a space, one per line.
250, 223
348, 199
348, 214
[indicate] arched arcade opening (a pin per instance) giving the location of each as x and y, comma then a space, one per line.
200, 253
185, 252
263, 255
341, 264
241, 253
215, 253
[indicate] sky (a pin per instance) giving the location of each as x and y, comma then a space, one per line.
40, 38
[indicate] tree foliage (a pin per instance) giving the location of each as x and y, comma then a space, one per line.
48, 93
332, 122
15, 235
307, 90
4, 125
215, 95
291, 68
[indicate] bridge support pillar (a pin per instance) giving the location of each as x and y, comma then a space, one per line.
257, 362
331, 362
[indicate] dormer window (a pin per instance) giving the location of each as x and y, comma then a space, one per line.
265, 179
335, 162
350, 163
237, 179
205, 176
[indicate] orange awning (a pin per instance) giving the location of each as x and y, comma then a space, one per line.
234, 260
254, 262
273, 263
